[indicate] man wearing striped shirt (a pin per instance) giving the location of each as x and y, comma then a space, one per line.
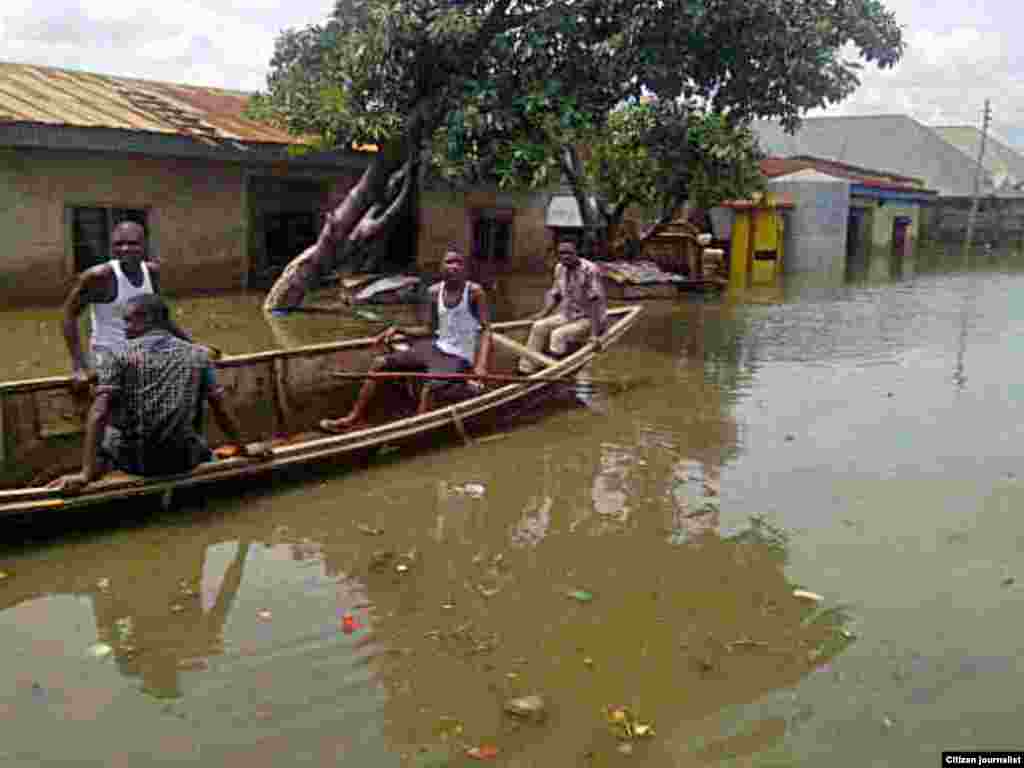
148, 399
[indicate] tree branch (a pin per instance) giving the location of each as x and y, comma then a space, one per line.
373, 224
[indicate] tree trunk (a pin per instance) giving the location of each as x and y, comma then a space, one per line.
302, 272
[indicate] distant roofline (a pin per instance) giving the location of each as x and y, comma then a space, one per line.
858, 169
855, 117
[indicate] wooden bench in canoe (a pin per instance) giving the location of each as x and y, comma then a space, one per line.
281, 392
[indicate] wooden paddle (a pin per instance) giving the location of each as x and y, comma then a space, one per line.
492, 377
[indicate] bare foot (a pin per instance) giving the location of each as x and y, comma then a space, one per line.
339, 426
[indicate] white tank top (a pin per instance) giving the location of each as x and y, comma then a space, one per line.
458, 331
108, 318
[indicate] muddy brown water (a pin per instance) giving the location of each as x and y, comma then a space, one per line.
859, 441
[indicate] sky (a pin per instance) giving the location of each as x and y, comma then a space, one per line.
958, 54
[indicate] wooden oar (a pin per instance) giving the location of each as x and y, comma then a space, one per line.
492, 377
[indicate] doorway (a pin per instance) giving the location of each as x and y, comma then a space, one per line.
901, 241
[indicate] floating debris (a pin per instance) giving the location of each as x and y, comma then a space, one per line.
401, 567
625, 725
1008, 581
193, 665
349, 624
381, 559
177, 607
531, 707
580, 595
486, 752
803, 594
100, 650
487, 591
625, 748
448, 726
264, 615
4, 575
369, 530
588, 662
103, 584
746, 642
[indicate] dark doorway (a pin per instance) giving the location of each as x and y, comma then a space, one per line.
492, 244
856, 252
900, 245
284, 216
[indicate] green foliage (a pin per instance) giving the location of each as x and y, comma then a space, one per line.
658, 155
503, 84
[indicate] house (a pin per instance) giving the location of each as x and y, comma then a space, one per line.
877, 215
226, 201
941, 159
222, 198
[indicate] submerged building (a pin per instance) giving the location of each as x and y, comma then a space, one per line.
226, 201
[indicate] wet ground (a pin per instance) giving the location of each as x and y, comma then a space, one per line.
638, 552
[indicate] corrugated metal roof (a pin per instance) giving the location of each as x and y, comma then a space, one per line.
51, 96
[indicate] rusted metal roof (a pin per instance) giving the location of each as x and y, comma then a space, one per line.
773, 167
62, 97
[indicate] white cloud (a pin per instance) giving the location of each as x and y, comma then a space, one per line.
945, 76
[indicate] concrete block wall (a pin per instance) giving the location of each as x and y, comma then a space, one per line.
445, 217
196, 219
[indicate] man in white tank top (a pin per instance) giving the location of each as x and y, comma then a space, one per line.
105, 289
457, 340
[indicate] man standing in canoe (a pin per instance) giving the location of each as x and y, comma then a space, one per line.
147, 401
456, 340
106, 289
578, 294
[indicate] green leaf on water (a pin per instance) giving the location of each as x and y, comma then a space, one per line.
581, 595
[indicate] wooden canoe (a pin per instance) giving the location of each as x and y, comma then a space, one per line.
280, 392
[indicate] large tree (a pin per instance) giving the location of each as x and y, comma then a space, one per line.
466, 85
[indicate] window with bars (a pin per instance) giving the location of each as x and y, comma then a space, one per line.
90, 231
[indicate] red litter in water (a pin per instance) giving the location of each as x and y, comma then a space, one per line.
349, 624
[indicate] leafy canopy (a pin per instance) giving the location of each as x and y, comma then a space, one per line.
496, 76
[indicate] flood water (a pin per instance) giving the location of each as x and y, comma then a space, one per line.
638, 550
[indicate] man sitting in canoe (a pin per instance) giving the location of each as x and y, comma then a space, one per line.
149, 392
582, 309
457, 340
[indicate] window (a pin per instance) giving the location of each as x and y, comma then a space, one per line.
90, 231
492, 236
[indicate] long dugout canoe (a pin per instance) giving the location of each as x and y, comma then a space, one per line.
281, 393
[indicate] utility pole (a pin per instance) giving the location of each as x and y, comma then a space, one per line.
977, 182
959, 375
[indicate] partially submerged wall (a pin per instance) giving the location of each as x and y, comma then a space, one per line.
815, 237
